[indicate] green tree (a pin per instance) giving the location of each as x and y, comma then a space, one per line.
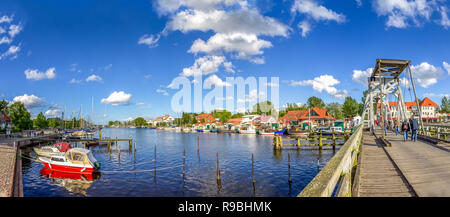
445, 105
237, 115
265, 108
315, 102
139, 122
4, 107
223, 115
202, 121
350, 107
53, 123
40, 121
335, 110
20, 117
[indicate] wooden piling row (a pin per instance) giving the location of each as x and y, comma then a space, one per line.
253, 171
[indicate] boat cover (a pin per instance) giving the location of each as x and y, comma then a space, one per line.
63, 146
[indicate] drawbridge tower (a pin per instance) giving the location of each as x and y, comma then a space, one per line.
385, 81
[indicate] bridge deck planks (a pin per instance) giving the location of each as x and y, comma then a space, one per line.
378, 175
425, 166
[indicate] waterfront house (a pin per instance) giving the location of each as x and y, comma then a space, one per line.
268, 122
250, 119
427, 106
317, 117
209, 121
234, 123
5, 122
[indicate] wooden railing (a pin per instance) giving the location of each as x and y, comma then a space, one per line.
337, 172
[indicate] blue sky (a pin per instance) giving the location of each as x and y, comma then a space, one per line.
57, 55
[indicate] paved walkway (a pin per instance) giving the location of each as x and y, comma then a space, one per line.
7, 162
425, 166
378, 175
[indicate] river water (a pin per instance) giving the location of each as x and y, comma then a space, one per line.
135, 176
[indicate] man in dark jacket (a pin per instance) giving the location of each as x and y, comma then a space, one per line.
405, 129
414, 127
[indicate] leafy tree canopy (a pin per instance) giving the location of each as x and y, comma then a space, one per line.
20, 117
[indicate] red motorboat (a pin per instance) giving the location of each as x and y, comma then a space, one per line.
75, 160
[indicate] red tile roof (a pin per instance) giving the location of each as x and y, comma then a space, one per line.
424, 102
209, 119
427, 102
234, 121
303, 115
4, 117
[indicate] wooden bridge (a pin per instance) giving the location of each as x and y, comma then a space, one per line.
370, 166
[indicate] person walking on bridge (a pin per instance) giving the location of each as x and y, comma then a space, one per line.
414, 127
405, 129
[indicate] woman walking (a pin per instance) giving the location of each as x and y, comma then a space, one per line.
405, 129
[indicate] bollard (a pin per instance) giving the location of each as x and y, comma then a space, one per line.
289, 167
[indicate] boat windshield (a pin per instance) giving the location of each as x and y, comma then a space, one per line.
91, 157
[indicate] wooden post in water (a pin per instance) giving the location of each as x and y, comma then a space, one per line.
130, 141
218, 170
198, 143
289, 167
155, 160
119, 152
298, 142
135, 147
100, 134
184, 162
253, 170
334, 140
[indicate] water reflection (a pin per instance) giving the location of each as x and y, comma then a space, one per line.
163, 167
73, 182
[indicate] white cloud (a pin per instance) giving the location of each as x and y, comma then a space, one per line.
147, 76
14, 30
5, 40
74, 67
53, 112
446, 66
426, 74
150, 40
323, 83
242, 45
359, 3
313, 11
6, 19
229, 67
213, 80
236, 27
362, 76
305, 26
12, 51
447, 95
204, 66
164, 92
107, 67
445, 22
400, 12
227, 21
117, 98
30, 101
34, 74
75, 81
94, 78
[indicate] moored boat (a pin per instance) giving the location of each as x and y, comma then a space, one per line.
227, 131
298, 133
75, 160
280, 132
49, 150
